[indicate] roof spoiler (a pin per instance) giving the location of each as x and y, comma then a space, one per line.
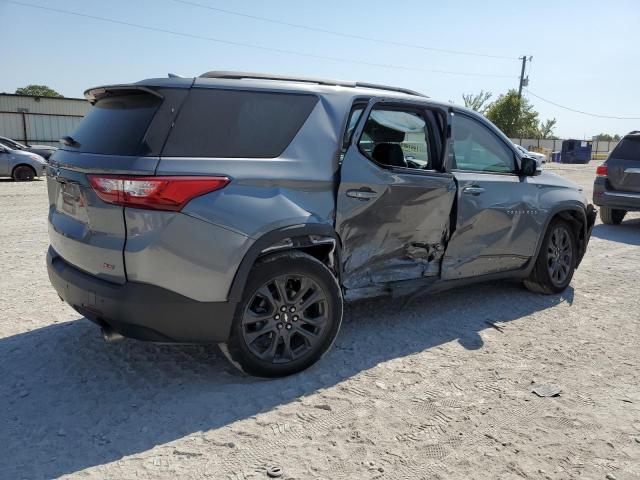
317, 81
94, 94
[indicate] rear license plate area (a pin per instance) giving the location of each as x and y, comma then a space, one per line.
71, 202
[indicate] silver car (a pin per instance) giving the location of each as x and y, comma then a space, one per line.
19, 165
244, 209
45, 151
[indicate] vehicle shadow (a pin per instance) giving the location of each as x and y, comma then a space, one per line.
627, 232
11, 180
69, 401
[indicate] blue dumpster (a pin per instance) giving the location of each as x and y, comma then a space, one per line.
576, 151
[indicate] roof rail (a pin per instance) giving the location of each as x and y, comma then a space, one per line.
392, 89
318, 81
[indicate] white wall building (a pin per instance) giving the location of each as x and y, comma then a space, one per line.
39, 120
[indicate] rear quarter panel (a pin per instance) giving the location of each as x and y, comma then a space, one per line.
181, 253
266, 194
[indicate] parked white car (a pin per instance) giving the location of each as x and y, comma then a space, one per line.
540, 157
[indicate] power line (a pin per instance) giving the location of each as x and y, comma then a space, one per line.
615, 117
342, 34
248, 45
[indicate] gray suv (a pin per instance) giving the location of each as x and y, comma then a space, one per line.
243, 209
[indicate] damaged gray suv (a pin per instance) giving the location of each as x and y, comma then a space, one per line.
243, 209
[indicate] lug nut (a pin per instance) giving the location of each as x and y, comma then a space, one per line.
288, 326
279, 326
295, 318
283, 308
277, 317
292, 309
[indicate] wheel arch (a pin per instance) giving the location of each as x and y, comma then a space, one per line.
15, 167
576, 215
318, 240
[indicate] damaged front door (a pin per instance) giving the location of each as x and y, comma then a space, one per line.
394, 202
497, 223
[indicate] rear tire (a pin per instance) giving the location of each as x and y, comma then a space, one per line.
612, 216
556, 260
23, 173
289, 316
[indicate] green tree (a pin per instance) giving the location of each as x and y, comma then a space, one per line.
546, 128
38, 91
478, 102
514, 116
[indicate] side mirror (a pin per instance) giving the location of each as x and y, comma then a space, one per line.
528, 166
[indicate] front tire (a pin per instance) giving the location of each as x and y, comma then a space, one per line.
289, 316
612, 216
23, 173
556, 260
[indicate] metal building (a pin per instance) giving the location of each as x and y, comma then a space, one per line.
39, 120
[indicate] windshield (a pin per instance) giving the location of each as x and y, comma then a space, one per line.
12, 143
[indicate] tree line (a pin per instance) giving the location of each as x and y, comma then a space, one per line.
516, 117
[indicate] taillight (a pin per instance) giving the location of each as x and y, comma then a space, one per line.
601, 171
155, 193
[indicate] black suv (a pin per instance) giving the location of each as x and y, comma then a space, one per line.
617, 186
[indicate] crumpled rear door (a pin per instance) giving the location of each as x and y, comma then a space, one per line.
393, 222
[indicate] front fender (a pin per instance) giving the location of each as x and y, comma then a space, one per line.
573, 212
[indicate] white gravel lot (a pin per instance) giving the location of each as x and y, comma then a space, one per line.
424, 390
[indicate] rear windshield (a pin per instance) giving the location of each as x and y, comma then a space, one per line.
627, 149
233, 123
116, 125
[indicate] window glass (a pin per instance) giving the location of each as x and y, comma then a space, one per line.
627, 149
11, 144
234, 123
478, 149
116, 125
396, 138
354, 116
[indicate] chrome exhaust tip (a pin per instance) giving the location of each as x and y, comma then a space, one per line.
110, 335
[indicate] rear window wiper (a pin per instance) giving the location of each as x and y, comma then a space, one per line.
69, 142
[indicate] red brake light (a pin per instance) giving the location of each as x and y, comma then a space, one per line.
601, 171
155, 193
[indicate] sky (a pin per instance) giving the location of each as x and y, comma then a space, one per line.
585, 53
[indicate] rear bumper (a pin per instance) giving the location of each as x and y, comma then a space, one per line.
138, 310
605, 197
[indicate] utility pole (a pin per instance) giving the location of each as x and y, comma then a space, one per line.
523, 81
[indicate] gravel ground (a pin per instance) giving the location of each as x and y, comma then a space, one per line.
424, 390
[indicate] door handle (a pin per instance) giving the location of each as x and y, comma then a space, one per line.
473, 190
362, 194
